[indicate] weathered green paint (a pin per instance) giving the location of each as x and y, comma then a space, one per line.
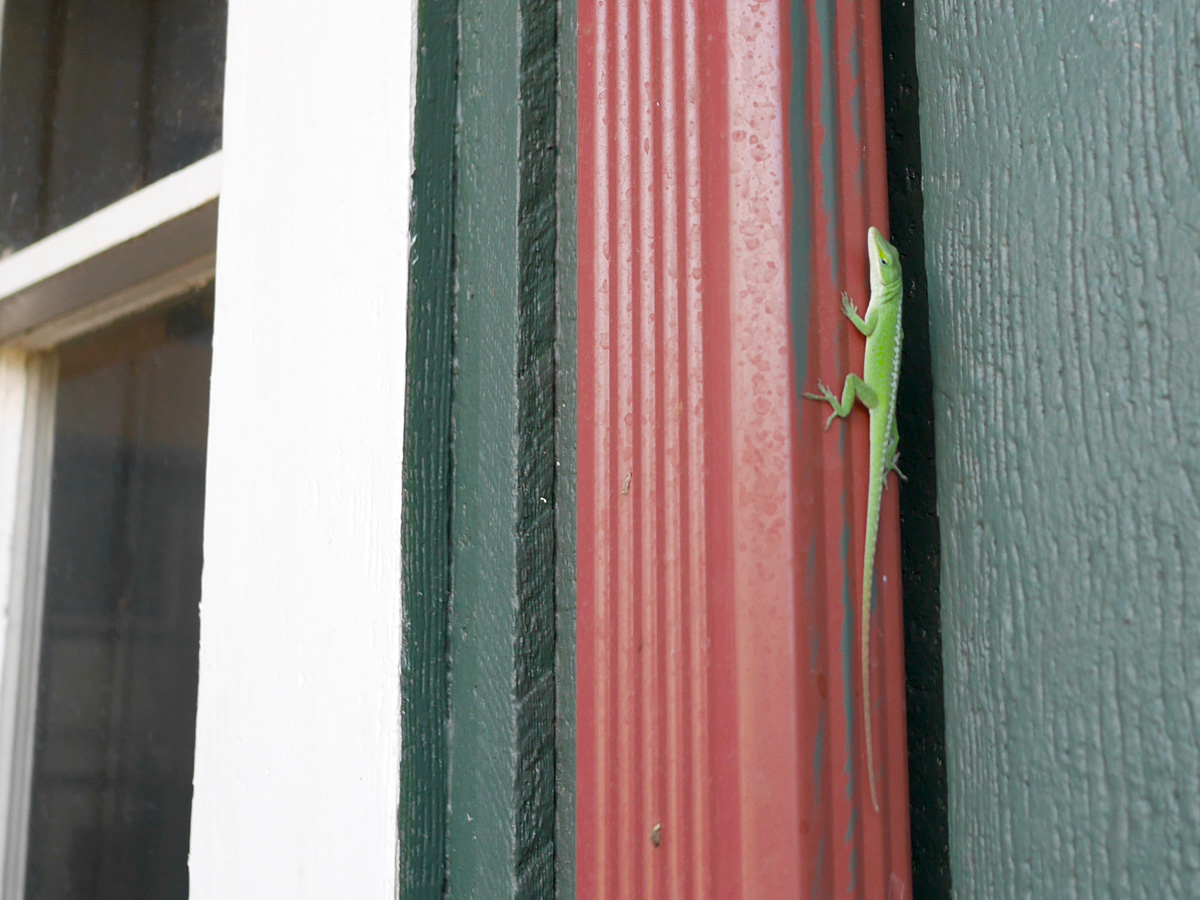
427, 471
920, 541
565, 437
1061, 151
500, 838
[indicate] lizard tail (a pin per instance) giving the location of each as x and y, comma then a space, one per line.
874, 501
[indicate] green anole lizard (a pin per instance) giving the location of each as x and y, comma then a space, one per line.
876, 390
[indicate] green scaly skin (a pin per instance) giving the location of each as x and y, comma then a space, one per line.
876, 390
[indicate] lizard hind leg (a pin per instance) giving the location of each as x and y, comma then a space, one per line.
853, 389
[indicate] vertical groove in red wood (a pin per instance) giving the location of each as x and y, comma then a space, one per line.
720, 749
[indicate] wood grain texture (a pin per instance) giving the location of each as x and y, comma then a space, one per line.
298, 744
428, 494
1062, 177
500, 838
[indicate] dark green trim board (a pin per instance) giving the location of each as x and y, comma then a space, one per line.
500, 837
1061, 160
920, 539
565, 436
427, 463
487, 410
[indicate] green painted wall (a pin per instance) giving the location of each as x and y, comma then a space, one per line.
1061, 158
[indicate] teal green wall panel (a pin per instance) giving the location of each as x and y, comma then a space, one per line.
1061, 159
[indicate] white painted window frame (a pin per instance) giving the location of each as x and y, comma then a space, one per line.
26, 432
298, 730
296, 784
143, 249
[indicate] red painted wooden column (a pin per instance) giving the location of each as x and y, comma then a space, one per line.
730, 161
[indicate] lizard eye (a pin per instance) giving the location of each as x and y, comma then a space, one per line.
883, 260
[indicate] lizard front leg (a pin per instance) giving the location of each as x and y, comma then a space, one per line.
864, 326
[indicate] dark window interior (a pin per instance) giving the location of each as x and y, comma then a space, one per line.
115, 726
99, 98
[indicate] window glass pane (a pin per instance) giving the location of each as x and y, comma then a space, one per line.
116, 697
97, 99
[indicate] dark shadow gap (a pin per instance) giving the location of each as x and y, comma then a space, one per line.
920, 539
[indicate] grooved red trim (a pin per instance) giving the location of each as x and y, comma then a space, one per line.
719, 749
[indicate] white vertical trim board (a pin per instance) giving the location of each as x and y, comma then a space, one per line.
298, 737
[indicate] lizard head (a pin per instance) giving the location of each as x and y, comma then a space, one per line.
885, 263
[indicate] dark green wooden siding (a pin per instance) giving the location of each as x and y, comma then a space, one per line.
427, 468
